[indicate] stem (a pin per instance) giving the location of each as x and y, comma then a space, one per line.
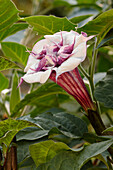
11, 157
96, 121
97, 124
93, 65
1, 168
83, 72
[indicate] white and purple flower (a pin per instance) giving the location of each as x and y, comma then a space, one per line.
57, 57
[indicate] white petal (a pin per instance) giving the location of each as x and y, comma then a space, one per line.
81, 38
53, 38
69, 37
80, 51
68, 65
40, 76
31, 60
38, 47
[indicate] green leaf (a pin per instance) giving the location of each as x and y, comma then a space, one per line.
12, 30
54, 101
16, 52
3, 82
78, 19
8, 14
15, 93
108, 40
101, 25
31, 134
104, 90
49, 24
86, 1
9, 128
7, 64
68, 160
105, 60
44, 151
42, 93
108, 129
59, 123
93, 138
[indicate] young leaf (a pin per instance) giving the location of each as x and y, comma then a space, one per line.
104, 91
7, 64
101, 24
49, 24
16, 52
78, 19
44, 151
68, 160
9, 128
8, 14
12, 30
15, 93
3, 82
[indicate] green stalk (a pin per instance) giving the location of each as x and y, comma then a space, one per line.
83, 72
95, 51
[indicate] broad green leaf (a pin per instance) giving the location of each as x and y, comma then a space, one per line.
78, 19
58, 123
44, 151
7, 64
23, 149
101, 25
3, 82
12, 30
68, 160
15, 93
16, 52
9, 128
31, 134
104, 91
49, 24
42, 93
8, 14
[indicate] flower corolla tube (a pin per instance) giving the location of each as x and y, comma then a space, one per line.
57, 57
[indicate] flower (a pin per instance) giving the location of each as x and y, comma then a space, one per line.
57, 57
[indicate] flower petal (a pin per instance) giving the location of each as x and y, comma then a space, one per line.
67, 65
31, 60
53, 38
40, 76
81, 38
38, 47
80, 51
69, 37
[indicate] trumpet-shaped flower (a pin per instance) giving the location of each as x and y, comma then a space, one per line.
57, 57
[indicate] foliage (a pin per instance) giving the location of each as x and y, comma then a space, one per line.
48, 127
